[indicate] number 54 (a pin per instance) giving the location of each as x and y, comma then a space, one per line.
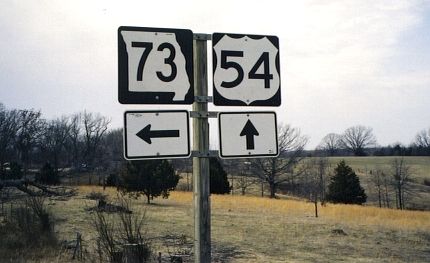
252, 74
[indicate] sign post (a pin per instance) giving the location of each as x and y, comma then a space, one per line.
169, 66
202, 221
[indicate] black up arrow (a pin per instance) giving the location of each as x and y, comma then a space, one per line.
146, 134
249, 131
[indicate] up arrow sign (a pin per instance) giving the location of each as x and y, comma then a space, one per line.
146, 134
254, 129
249, 131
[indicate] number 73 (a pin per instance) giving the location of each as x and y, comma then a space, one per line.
169, 60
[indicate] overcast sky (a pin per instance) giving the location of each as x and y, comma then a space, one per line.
343, 63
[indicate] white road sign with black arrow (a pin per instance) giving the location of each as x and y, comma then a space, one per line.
247, 134
156, 134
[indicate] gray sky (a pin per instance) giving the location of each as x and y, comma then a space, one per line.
343, 63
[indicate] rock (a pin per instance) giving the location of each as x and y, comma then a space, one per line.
339, 231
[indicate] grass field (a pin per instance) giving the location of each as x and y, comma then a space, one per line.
253, 229
418, 196
420, 164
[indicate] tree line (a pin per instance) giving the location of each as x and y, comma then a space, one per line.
84, 142
80, 141
360, 141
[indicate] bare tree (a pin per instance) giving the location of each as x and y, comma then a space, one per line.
380, 182
113, 143
386, 183
54, 137
422, 139
357, 138
30, 127
278, 170
8, 129
245, 178
401, 173
314, 180
94, 127
73, 143
331, 143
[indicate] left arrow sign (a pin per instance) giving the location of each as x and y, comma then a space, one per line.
146, 134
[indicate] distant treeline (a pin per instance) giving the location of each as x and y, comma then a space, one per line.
84, 141
80, 141
360, 141
390, 150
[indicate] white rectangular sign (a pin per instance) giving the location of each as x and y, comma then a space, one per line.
156, 134
248, 134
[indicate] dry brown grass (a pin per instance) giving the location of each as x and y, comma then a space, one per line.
351, 214
254, 229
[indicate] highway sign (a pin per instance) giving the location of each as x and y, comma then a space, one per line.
246, 70
156, 134
247, 134
155, 66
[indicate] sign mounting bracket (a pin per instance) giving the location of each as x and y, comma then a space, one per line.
203, 114
202, 36
203, 99
208, 154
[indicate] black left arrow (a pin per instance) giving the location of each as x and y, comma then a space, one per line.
249, 131
146, 134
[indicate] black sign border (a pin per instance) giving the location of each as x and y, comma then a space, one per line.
155, 156
247, 156
219, 100
185, 40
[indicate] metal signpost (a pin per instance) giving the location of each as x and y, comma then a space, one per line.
169, 66
202, 219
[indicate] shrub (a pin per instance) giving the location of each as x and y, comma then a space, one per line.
96, 196
121, 231
218, 178
150, 178
15, 171
48, 175
112, 180
28, 225
345, 186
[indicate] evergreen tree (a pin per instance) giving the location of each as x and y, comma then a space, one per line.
345, 186
15, 171
150, 178
218, 178
48, 175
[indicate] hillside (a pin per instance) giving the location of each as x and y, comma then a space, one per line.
418, 195
418, 191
